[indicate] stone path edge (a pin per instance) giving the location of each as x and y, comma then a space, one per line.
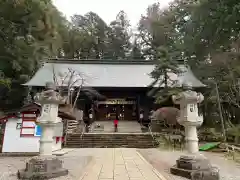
91, 162
62, 152
151, 166
16, 154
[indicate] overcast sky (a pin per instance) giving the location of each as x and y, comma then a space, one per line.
107, 9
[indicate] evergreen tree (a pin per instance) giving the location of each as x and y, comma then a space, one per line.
164, 84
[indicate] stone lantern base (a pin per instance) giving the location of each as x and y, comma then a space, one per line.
195, 168
42, 167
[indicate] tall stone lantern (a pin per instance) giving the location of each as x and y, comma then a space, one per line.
46, 165
193, 165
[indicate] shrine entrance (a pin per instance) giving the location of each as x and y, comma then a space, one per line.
107, 110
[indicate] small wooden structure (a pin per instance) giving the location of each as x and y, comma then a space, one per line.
21, 134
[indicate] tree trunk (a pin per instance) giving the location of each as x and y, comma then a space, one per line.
236, 139
165, 79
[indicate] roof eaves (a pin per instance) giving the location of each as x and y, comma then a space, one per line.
98, 61
102, 61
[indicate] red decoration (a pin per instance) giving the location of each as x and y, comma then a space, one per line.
57, 139
115, 122
26, 118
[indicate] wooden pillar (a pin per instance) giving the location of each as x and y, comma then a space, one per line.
138, 107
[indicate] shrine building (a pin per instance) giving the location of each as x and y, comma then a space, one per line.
111, 84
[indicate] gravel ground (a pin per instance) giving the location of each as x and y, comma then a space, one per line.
74, 161
162, 160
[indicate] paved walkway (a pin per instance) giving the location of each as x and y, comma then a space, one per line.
91, 164
120, 164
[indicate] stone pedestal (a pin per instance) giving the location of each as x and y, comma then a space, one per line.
193, 166
45, 166
46, 139
191, 137
42, 167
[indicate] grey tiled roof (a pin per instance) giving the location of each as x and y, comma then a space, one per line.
106, 74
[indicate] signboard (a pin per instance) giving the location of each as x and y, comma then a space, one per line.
192, 107
58, 130
116, 101
38, 130
19, 126
46, 108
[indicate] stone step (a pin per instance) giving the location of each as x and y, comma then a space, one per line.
145, 143
109, 135
112, 143
111, 146
149, 144
131, 140
106, 141
115, 134
110, 140
107, 146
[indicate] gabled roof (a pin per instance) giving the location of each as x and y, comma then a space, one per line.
33, 107
106, 73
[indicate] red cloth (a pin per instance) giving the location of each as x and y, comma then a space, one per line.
57, 139
115, 122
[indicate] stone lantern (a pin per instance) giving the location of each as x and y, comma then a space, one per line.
194, 165
46, 165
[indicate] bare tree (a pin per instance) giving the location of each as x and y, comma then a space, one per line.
69, 83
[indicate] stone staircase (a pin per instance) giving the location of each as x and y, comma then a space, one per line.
110, 140
71, 126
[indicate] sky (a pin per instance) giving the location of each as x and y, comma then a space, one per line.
107, 9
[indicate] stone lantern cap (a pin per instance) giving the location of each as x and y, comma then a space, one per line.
187, 86
50, 86
188, 97
50, 95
